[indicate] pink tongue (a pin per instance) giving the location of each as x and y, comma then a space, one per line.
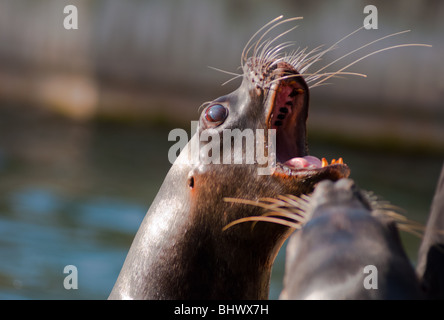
305, 162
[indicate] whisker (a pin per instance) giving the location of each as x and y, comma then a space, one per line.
249, 202
272, 54
296, 202
320, 85
278, 211
248, 47
411, 229
270, 42
328, 74
302, 61
297, 218
334, 45
270, 29
362, 47
264, 219
266, 53
294, 212
276, 61
224, 71
234, 78
319, 55
373, 53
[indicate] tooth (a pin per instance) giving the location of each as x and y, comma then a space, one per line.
324, 162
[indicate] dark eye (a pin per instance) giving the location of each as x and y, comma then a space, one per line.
216, 114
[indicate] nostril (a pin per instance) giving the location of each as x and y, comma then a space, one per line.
295, 92
191, 182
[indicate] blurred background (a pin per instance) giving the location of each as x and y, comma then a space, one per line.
85, 116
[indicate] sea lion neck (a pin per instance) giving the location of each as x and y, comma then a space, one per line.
234, 263
181, 250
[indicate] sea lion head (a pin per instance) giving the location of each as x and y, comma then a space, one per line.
272, 99
264, 117
347, 234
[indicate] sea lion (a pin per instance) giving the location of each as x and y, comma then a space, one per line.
346, 245
431, 253
183, 249
348, 249
180, 250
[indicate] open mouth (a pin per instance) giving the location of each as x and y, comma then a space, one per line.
287, 105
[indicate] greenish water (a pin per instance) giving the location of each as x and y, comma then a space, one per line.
73, 194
